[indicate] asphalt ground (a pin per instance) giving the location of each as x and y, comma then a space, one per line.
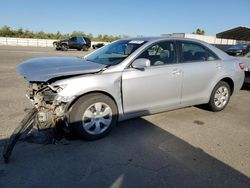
190, 147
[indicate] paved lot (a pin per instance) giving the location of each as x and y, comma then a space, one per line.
190, 147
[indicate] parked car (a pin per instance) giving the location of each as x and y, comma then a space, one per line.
98, 45
79, 43
246, 61
56, 42
238, 50
129, 78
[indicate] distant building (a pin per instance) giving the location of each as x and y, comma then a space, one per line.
241, 34
208, 39
229, 37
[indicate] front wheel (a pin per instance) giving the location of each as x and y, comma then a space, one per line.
64, 47
220, 96
93, 116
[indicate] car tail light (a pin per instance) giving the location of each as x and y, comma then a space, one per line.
242, 66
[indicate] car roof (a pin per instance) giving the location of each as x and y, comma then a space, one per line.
152, 39
220, 53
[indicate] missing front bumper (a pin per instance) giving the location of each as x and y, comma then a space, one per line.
26, 124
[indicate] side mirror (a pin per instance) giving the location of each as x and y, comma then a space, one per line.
141, 63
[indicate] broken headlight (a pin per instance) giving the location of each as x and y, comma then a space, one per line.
64, 98
57, 88
50, 94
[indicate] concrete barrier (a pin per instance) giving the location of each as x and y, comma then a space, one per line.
49, 42
32, 42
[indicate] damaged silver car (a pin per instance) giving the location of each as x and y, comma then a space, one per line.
128, 78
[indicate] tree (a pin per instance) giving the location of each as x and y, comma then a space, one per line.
28, 34
90, 36
6, 31
19, 32
58, 35
78, 33
199, 32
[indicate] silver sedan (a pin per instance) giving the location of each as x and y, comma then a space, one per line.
129, 78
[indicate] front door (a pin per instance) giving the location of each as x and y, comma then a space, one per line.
154, 87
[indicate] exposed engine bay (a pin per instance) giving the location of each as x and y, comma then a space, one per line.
45, 98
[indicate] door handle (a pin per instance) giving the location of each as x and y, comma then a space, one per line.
218, 66
176, 72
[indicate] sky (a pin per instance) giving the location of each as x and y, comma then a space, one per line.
129, 17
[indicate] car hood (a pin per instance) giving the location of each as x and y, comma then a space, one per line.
45, 68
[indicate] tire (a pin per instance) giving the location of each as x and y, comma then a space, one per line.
64, 47
87, 118
55, 44
85, 48
79, 49
220, 96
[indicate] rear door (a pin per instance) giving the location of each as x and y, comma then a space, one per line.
80, 42
73, 43
155, 87
200, 67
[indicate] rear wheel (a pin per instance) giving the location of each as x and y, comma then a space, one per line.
85, 48
93, 116
220, 96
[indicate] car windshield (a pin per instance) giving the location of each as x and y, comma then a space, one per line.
115, 53
238, 47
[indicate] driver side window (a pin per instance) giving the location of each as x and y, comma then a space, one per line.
161, 53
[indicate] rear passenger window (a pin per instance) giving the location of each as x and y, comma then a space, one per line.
79, 39
191, 52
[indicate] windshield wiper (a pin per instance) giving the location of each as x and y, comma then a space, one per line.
105, 68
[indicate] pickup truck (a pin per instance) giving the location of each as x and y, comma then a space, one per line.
79, 43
